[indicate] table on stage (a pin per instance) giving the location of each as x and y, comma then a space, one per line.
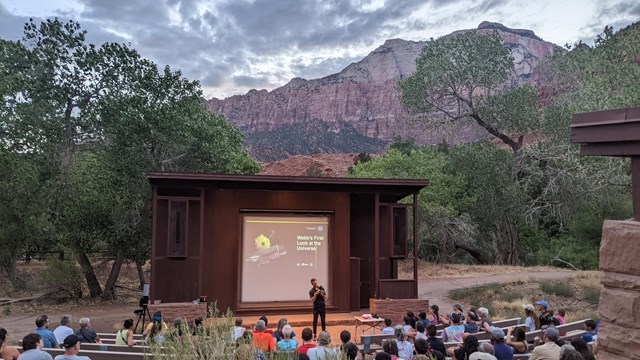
365, 324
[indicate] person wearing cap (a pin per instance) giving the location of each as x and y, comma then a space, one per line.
501, 350
548, 350
532, 322
545, 317
157, 318
71, 346
62, 331
31, 348
322, 351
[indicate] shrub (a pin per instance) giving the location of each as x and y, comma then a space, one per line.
592, 295
557, 288
63, 276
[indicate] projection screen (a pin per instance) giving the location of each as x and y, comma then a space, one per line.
280, 254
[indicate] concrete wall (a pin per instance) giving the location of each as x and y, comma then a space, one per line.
619, 332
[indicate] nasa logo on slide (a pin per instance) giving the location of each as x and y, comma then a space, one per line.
320, 228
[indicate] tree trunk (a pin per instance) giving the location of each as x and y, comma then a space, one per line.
87, 269
109, 292
140, 273
12, 274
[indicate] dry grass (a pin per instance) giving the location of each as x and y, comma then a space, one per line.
588, 279
427, 270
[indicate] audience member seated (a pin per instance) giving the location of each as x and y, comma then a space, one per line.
434, 314
262, 340
485, 320
48, 339
71, 345
502, 351
31, 348
238, 330
422, 348
266, 323
456, 309
244, 350
388, 330
517, 339
286, 343
322, 351
278, 333
7, 352
198, 326
155, 335
560, 314
434, 342
85, 333
468, 347
382, 356
590, 327
548, 350
125, 335
470, 325
405, 348
532, 322
307, 334
485, 352
455, 331
156, 318
546, 317
571, 355
582, 348
62, 331
413, 318
347, 348
390, 346
422, 317
421, 331
407, 327
177, 333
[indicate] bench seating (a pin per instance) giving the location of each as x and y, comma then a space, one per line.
100, 355
112, 336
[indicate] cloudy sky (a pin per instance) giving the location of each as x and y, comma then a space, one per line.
233, 46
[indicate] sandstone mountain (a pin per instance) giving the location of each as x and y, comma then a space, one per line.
358, 109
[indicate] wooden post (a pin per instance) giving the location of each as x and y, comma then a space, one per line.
635, 186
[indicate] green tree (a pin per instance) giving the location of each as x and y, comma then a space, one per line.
65, 97
465, 77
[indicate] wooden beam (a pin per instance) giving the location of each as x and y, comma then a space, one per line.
376, 248
415, 242
635, 186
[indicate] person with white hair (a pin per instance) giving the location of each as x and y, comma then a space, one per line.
485, 321
85, 333
322, 351
261, 340
287, 343
405, 348
62, 331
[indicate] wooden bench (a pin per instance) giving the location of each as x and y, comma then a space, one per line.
572, 326
100, 355
500, 323
115, 348
112, 336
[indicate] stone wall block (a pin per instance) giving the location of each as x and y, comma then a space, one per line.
619, 340
622, 281
620, 247
171, 311
620, 307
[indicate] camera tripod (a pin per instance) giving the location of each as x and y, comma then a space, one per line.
143, 313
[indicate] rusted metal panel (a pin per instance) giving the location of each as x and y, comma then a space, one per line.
397, 289
216, 204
